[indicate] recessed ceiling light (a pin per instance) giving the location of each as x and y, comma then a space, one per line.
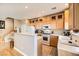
26, 6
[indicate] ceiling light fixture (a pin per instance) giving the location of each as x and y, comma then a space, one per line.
26, 6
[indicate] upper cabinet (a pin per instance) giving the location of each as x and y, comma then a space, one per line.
77, 16
53, 17
40, 19
74, 16
60, 21
55, 20
66, 17
60, 16
71, 16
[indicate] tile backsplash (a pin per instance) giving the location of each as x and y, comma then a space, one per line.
58, 31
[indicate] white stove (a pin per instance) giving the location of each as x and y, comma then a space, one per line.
46, 39
46, 34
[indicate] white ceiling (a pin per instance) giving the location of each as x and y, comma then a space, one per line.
18, 10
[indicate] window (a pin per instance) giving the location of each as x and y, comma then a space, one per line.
2, 24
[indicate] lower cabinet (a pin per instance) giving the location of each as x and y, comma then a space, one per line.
66, 53
54, 41
49, 50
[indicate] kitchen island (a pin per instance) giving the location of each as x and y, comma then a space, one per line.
26, 43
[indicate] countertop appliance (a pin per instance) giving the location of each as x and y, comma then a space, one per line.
47, 30
67, 33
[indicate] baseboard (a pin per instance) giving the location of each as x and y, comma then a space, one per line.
20, 51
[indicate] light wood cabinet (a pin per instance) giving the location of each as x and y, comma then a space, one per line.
71, 15
54, 41
74, 16
60, 21
77, 16
66, 21
48, 50
56, 21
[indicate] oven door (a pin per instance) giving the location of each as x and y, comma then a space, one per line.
46, 40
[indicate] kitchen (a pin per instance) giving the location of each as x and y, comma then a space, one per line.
58, 31
52, 32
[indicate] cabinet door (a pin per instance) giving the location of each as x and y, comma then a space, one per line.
46, 50
71, 16
60, 21
74, 16
54, 41
49, 50
77, 16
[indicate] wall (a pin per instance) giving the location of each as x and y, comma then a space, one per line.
8, 28
16, 23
